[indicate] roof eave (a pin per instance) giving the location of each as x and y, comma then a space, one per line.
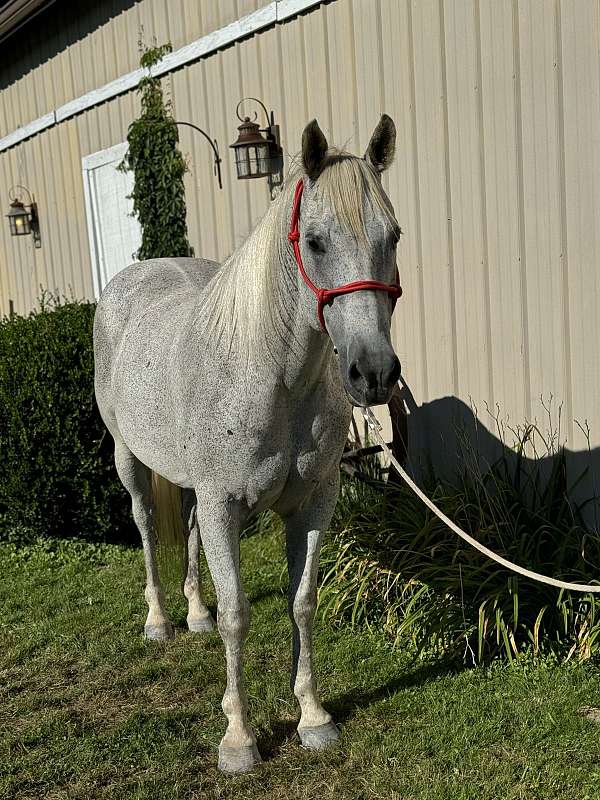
15, 13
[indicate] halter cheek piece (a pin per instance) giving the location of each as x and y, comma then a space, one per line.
325, 297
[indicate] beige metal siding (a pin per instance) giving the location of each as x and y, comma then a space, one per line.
70, 50
496, 181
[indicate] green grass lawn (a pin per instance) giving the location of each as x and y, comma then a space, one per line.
88, 709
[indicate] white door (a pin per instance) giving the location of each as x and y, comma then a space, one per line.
115, 235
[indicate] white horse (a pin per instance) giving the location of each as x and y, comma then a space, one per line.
236, 383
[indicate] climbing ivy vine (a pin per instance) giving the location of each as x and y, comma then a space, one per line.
158, 168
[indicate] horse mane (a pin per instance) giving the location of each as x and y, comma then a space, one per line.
241, 307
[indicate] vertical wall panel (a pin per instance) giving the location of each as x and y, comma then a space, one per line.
318, 82
431, 153
501, 143
294, 83
403, 178
231, 85
465, 176
342, 75
195, 150
579, 36
541, 200
369, 78
221, 119
272, 86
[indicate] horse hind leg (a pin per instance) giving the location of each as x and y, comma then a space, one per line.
136, 478
199, 618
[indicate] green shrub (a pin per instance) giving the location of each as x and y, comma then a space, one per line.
57, 476
390, 562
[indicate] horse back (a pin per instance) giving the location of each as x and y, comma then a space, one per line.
140, 312
165, 281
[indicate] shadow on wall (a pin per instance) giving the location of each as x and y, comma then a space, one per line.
447, 436
51, 32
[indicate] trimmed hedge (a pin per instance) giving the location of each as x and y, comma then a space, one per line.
57, 475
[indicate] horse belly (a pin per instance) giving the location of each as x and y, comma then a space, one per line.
144, 414
152, 441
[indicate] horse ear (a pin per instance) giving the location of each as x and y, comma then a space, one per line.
314, 150
381, 149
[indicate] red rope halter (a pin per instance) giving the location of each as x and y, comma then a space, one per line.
325, 297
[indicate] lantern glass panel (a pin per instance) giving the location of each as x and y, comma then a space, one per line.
241, 162
251, 160
23, 225
20, 224
264, 159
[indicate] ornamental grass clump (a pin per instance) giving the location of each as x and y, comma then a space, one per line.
390, 562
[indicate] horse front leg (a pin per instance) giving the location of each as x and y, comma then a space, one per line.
220, 524
304, 532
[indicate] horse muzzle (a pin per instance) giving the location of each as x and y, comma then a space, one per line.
369, 377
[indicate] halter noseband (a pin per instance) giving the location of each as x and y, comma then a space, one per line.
325, 297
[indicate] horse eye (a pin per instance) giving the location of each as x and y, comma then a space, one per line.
316, 245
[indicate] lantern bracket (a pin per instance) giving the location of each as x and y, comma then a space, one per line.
212, 142
261, 104
14, 194
215, 148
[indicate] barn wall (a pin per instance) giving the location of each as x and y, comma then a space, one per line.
496, 181
68, 51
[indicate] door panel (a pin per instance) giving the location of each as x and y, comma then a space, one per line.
115, 236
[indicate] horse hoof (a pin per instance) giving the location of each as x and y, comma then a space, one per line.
201, 625
238, 759
159, 633
319, 737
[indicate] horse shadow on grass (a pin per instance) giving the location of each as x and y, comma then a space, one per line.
343, 707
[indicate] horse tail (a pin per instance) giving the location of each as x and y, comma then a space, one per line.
169, 530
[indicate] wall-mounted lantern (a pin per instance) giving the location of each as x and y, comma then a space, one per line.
257, 150
23, 218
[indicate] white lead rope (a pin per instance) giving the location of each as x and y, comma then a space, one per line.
375, 426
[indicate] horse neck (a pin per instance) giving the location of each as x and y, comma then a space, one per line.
308, 350
296, 351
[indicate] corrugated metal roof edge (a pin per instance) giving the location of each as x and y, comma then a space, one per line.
17, 12
276, 11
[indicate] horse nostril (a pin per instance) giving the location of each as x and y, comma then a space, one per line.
354, 372
396, 370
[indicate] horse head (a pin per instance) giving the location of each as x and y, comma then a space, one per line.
344, 235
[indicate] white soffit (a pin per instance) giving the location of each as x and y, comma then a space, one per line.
276, 11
